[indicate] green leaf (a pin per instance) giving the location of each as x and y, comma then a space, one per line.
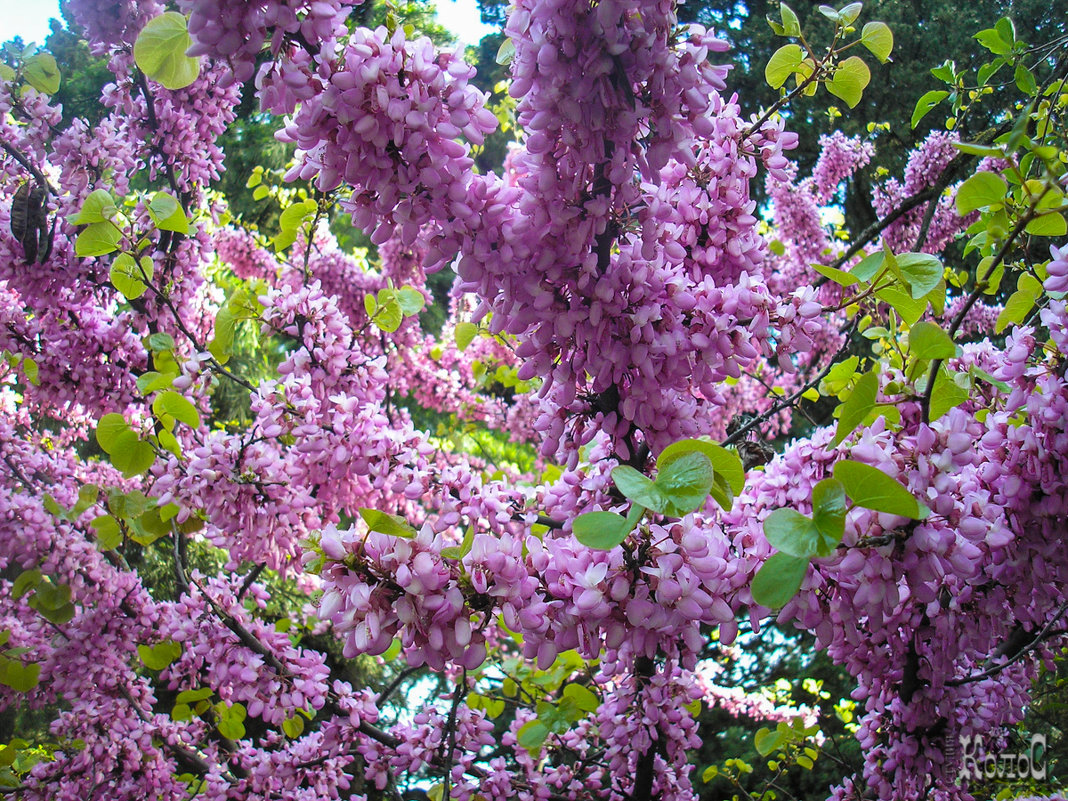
385, 523
160, 51
388, 316
152, 381
981, 190
108, 534
231, 720
1006, 30
828, 513
600, 530
98, 207
992, 41
505, 53
159, 656
222, 344
686, 481
724, 462
921, 271
532, 734
1025, 80
873, 489
465, 334
840, 277
1017, 307
192, 696
929, 341
98, 239
797, 535
850, 12
293, 727
159, 341
42, 73
584, 698
856, 408
27, 580
30, 370
167, 213
108, 430
839, 376
782, 64
910, 310
640, 489
946, 394
879, 39
850, 80
778, 580
126, 275
1049, 224
177, 406
766, 741
790, 23
927, 102
831, 14
987, 71
411, 300
131, 455
19, 677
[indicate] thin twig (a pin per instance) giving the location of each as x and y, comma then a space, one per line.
1042, 635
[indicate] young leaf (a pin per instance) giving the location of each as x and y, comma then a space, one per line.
797, 535
167, 213
981, 190
1017, 307
790, 23
640, 489
411, 300
600, 530
385, 523
42, 73
160, 51
98, 239
465, 334
724, 462
108, 534
177, 406
778, 580
131, 455
879, 39
159, 656
946, 394
108, 430
927, 102
929, 341
856, 408
850, 80
873, 489
532, 734
126, 276
98, 207
686, 482
782, 64
921, 271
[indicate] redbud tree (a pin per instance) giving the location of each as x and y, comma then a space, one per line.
196, 590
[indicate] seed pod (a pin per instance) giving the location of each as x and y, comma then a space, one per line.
18, 211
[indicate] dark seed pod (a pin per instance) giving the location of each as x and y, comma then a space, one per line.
754, 453
19, 206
